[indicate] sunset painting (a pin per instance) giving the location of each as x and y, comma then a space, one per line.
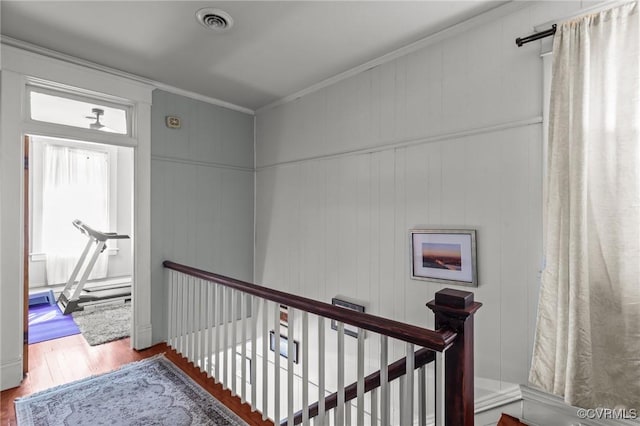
442, 256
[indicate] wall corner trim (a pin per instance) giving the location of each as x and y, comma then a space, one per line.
143, 337
10, 374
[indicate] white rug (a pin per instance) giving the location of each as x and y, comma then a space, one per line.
102, 324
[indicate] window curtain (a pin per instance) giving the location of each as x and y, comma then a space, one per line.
587, 346
75, 186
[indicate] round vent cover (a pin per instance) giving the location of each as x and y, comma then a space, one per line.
214, 19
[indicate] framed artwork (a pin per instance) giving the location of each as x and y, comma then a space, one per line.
349, 330
284, 346
444, 255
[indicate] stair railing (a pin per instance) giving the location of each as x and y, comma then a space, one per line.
213, 320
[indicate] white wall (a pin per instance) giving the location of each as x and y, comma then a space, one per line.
201, 193
447, 136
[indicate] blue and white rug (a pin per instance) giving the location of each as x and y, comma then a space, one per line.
149, 392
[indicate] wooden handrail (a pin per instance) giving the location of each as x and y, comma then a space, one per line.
438, 340
372, 381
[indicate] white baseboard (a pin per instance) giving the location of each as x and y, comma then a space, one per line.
498, 399
489, 408
542, 409
142, 338
10, 374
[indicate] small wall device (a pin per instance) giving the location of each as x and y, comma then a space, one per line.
173, 122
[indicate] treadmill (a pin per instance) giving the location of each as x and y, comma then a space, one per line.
74, 299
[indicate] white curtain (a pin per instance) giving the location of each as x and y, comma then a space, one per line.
587, 346
75, 186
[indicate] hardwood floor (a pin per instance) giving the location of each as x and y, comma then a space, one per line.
65, 360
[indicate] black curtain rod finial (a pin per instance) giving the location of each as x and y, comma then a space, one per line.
537, 36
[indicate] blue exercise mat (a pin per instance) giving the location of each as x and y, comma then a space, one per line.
46, 322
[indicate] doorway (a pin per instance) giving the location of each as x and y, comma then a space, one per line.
25, 72
71, 182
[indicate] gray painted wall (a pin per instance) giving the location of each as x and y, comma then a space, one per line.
202, 188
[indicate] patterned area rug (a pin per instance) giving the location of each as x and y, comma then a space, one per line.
101, 324
148, 392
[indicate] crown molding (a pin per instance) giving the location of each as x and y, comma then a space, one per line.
33, 48
497, 12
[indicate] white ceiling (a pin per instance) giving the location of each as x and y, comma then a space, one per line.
275, 48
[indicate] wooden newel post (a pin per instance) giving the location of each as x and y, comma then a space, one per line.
454, 310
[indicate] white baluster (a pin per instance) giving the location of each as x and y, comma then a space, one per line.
290, 355
203, 323
217, 321
320, 419
187, 337
384, 382
374, 407
170, 329
225, 339
440, 389
243, 348
360, 383
265, 359
184, 316
276, 364
234, 340
401, 403
422, 396
340, 389
254, 352
305, 368
195, 315
408, 392
194, 320
211, 320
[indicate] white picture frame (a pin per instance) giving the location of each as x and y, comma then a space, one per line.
444, 256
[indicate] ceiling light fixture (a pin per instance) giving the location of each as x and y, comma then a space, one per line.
97, 113
214, 19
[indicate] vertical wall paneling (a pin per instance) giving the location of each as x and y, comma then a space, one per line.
448, 136
201, 192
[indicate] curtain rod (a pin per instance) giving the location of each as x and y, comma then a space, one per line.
537, 36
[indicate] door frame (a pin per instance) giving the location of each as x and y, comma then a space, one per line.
20, 68
25, 254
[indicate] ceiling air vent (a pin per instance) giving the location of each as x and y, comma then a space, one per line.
214, 19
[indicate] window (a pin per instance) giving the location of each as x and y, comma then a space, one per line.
69, 180
58, 108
